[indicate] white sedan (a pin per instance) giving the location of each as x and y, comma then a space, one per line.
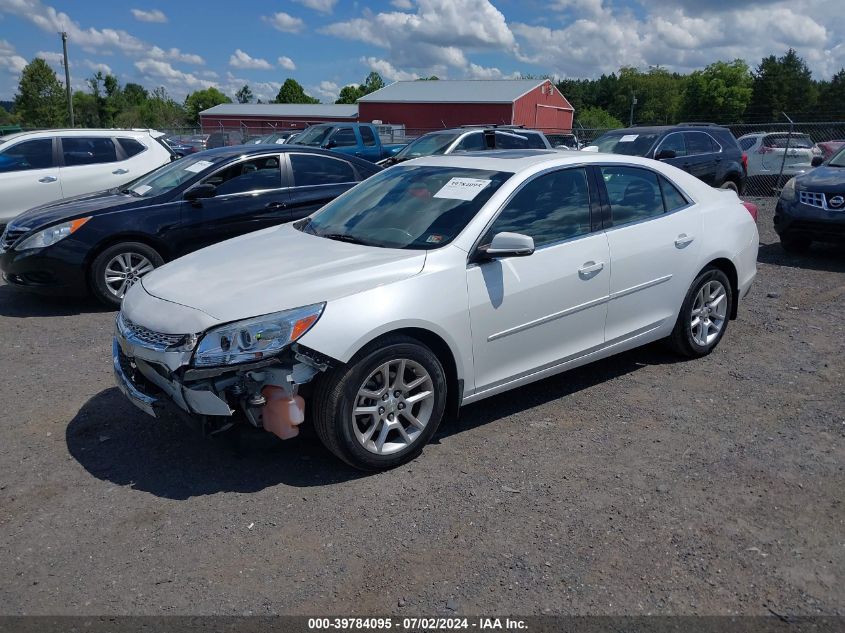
436, 283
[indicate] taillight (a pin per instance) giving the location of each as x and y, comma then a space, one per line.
752, 209
745, 162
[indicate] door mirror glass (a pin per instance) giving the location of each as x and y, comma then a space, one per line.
664, 154
203, 190
506, 244
817, 160
331, 143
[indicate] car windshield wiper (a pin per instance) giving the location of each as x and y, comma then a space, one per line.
344, 237
130, 192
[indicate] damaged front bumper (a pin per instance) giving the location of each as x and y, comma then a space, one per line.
151, 375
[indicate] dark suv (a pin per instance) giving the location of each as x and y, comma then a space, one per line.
707, 151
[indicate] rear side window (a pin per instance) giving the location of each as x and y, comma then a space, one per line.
320, 170
34, 154
344, 137
672, 198
368, 137
699, 143
634, 193
88, 151
535, 141
130, 146
550, 208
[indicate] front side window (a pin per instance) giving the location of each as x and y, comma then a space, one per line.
368, 137
311, 170
511, 140
673, 142
248, 175
550, 208
344, 137
34, 154
634, 193
88, 151
699, 143
412, 207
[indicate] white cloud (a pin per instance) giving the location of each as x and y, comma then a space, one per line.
174, 54
388, 70
284, 22
51, 57
153, 15
326, 91
264, 90
9, 60
404, 5
98, 67
156, 71
323, 6
286, 63
239, 59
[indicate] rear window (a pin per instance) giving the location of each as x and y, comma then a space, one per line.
746, 143
794, 140
130, 146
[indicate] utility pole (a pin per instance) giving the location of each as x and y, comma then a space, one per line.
633, 103
67, 79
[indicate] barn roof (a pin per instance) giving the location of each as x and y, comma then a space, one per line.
338, 111
454, 91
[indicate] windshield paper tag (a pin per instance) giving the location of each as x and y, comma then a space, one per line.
142, 189
628, 138
462, 188
198, 166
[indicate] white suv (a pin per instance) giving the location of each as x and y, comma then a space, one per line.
45, 166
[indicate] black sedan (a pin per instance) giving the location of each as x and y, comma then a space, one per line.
102, 243
811, 206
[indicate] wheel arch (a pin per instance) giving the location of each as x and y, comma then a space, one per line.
727, 266
119, 238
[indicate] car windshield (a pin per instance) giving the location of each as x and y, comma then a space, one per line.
171, 175
411, 207
314, 136
630, 144
838, 159
428, 145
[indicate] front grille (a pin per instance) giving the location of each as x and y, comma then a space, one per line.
10, 236
822, 200
812, 198
145, 336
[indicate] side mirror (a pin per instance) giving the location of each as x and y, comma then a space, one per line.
330, 144
665, 153
197, 192
508, 245
817, 160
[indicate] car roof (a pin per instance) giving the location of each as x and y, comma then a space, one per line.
83, 132
516, 160
231, 151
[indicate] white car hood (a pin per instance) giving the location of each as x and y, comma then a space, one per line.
276, 269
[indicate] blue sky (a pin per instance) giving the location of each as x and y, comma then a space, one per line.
326, 44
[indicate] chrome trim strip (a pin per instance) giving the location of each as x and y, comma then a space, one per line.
583, 306
140, 400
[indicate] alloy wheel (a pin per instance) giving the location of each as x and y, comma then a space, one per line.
709, 311
123, 270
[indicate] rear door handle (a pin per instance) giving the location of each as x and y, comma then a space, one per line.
48, 179
275, 205
683, 240
120, 171
590, 268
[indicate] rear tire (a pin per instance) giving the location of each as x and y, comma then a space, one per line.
704, 315
120, 266
359, 416
795, 245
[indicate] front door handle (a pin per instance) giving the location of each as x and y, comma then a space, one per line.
120, 171
590, 268
275, 205
683, 240
48, 179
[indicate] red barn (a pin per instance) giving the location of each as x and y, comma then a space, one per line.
270, 117
425, 105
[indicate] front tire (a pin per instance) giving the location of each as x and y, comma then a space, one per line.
704, 315
378, 411
120, 266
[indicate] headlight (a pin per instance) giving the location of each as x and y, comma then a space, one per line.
255, 339
788, 191
53, 234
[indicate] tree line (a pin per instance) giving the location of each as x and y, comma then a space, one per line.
723, 92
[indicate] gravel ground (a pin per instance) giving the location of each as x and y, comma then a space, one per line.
636, 485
